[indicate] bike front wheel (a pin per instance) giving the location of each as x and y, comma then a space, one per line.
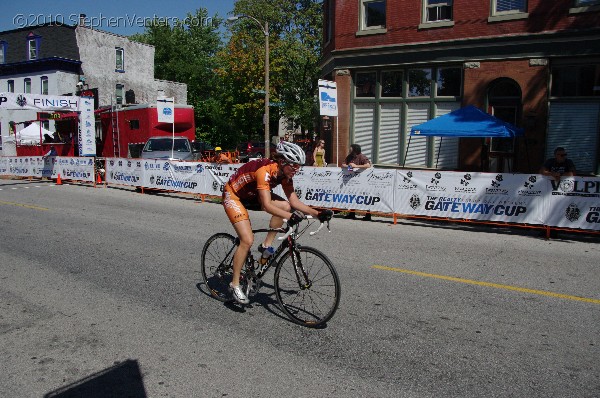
307, 286
217, 265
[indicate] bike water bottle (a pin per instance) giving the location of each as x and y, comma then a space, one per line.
349, 168
266, 253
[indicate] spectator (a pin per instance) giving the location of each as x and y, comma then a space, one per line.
51, 152
319, 154
220, 157
356, 160
47, 138
558, 166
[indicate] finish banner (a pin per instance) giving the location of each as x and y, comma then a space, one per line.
39, 102
334, 187
471, 196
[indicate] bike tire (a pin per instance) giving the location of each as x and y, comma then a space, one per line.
217, 265
308, 306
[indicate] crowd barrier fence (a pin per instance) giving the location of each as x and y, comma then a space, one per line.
529, 200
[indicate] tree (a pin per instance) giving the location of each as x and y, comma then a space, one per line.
295, 49
186, 53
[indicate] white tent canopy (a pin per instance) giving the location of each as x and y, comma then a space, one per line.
31, 134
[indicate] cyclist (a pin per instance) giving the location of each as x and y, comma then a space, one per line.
251, 185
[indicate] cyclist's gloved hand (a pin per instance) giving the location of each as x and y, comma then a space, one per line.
296, 217
325, 215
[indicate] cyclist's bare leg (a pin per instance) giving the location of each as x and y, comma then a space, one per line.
244, 232
276, 222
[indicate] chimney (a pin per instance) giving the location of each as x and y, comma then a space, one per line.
81, 19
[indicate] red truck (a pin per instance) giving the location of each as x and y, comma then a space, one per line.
126, 130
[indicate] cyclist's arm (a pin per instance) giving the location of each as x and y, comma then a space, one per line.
298, 205
264, 197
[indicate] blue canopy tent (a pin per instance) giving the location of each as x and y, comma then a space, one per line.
464, 122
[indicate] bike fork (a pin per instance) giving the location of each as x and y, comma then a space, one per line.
301, 275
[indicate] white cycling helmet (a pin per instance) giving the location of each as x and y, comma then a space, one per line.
292, 153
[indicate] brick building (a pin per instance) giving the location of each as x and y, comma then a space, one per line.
398, 63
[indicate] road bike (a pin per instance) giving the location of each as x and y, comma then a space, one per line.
306, 284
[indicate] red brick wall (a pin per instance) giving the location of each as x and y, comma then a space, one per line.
470, 20
532, 81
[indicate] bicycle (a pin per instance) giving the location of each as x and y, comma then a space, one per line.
306, 283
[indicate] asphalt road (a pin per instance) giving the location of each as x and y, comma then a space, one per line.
100, 296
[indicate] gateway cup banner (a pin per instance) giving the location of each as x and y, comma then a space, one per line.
514, 198
573, 202
364, 189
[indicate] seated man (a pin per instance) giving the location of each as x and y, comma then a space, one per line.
558, 166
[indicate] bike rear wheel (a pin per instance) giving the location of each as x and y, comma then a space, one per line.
310, 303
217, 265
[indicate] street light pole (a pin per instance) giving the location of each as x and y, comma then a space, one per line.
265, 30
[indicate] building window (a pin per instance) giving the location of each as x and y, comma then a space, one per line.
365, 84
27, 85
11, 86
419, 82
2, 52
119, 93
372, 14
448, 82
391, 84
120, 60
328, 18
437, 10
32, 49
508, 6
44, 85
576, 81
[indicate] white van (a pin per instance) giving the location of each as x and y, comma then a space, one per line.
168, 148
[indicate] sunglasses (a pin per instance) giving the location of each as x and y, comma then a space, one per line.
294, 167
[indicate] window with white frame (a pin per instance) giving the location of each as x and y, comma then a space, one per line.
120, 59
27, 85
500, 7
44, 85
373, 14
119, 93
10, 86
437, 10
32, 48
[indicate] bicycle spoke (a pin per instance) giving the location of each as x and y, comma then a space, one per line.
311, 302
217, 257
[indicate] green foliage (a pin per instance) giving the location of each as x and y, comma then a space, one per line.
226, 82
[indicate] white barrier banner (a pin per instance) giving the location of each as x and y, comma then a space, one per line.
218, 175
72, 168
175, 176
334, 187
69, 168
472, 196
4, 166
124, 171
573, 202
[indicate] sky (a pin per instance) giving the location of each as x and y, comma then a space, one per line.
124, 17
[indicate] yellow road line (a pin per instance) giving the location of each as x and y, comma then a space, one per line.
488, 284
22, 205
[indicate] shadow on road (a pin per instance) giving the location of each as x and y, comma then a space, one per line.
121, 380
